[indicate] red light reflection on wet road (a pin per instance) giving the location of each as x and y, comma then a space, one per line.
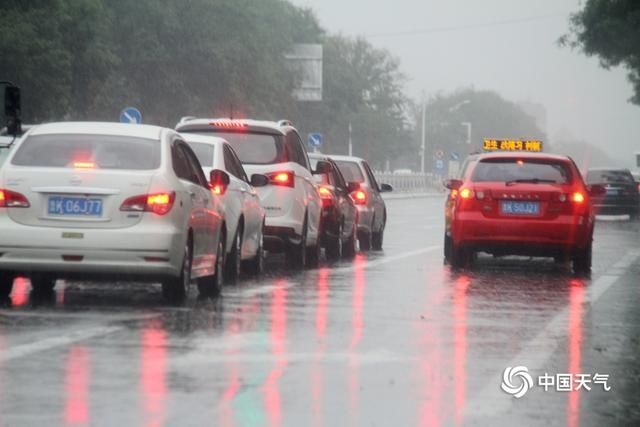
460, 346
317, 380
153, 380
77, 378
272, 398
357, 324
576, 299
20, 293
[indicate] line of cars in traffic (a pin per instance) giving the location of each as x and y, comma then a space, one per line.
201, 203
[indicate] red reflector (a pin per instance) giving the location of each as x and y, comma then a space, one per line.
74, 258
11, 199
286, 179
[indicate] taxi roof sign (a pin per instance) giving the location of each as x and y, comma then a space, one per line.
528, 145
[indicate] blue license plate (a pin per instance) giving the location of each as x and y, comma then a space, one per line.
74, 206
520, 208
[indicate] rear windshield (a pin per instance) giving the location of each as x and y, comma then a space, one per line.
509, 170
204, 153
609, 176
99, 151
254, 148
350, 170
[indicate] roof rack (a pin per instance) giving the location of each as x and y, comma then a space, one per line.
282, 123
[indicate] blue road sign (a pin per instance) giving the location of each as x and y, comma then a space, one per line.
131, 115
439, 165
315, 140
455, 156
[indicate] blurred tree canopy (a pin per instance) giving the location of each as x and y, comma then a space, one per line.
609, 29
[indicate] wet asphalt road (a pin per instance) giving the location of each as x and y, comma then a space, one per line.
393, 339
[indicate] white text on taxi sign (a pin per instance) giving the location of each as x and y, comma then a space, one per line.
532, 145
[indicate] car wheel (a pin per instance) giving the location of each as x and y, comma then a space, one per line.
255, 266
43, 283
377, 238
582, 260
461, 257
6, 285
211, 286
333, 249
313, 254
233, 263
365, 241
349, 248
176, 289
448, 249
297, 254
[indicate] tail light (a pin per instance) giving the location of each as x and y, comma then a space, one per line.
359, 197
11, 199
465, 193
158, 203
284, 179
577, 197
326, 195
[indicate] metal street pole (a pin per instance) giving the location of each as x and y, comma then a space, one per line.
423, 144
350, 142
468, 126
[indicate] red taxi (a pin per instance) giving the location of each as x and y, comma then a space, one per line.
520, 203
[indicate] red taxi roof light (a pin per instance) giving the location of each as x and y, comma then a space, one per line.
11, 199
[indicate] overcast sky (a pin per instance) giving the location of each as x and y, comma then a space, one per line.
470, 43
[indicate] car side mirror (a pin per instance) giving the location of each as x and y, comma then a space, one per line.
596, 190
322, 167
259, 180
453, 184
219, 181
385, 188
353, 186
12, 110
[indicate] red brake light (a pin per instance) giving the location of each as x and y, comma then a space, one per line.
11, 199
285, 179
325, 193
465, 193
158, 203
577, 197
360, 197
228, 124
84, 165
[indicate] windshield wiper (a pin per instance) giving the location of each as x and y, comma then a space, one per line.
530, 181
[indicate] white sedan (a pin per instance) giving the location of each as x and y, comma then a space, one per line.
108, 200
244, 215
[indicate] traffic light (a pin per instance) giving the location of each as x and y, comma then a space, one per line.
12, 110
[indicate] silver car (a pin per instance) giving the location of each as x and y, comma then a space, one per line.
372, 211
108, 200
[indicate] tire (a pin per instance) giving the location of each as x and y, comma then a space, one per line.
176, 289
365, 241
333, 250
460, 257
377, 238
43, 283
255, 266
6, 285
313, 254
297, 254
211, 286
582, 260
448, 249
233, 263
349, 248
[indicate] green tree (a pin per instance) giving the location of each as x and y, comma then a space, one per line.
610, 30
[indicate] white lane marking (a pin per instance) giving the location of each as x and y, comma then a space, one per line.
491, 401
23, 350
368, 264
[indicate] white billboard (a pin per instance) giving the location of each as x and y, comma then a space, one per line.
306, 60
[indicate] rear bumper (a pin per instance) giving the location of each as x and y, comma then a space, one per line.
145, 252
521, 237
622, 207
277, 238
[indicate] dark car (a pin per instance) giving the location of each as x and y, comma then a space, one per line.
339, 223
622, 192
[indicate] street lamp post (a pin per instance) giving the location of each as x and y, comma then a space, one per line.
423, 139
468, 126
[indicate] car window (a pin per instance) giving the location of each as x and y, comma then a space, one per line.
609, 176
99, 151
372, 178
505, 170
204, 152
232, 164
350, 171
254, 148
295, 150
196, 175
337, 177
